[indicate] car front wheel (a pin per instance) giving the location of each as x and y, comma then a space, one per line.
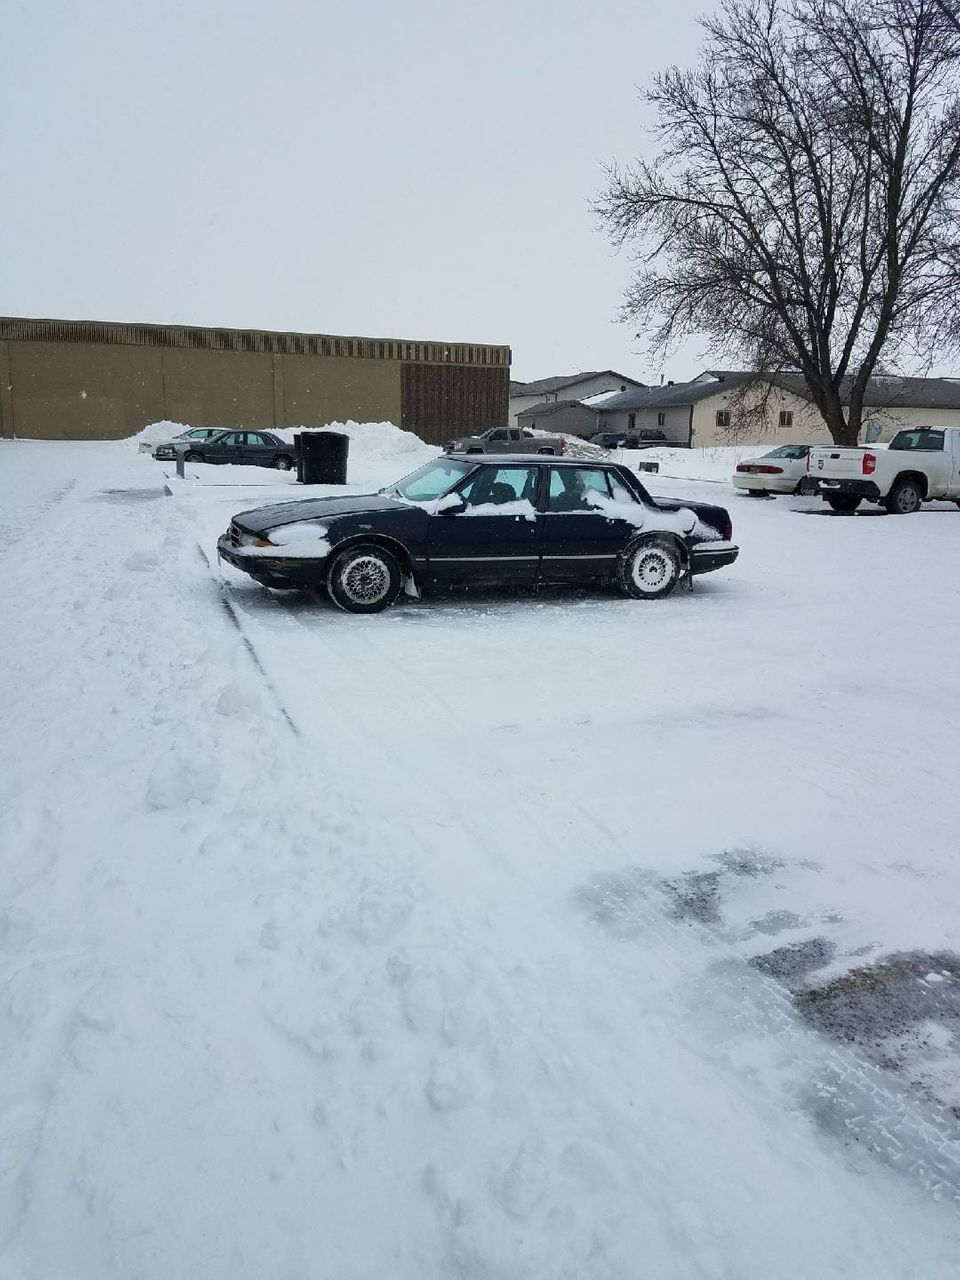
364, 579
649, 570
192, 456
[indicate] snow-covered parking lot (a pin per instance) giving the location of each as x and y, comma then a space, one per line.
495, 936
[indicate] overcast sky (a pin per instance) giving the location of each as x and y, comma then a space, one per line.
419, 170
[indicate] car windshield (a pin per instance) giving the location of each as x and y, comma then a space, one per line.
924, 439
430, 481
789, 451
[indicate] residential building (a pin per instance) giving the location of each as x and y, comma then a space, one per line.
567, 387
709, 409
63, 379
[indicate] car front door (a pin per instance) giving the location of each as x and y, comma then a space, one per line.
494, 535
229, 448
583, 530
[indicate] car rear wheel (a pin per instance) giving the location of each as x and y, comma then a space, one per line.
844, 502
649, 570
281, 462
904, 498
364, 579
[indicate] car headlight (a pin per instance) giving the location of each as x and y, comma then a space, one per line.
254, 540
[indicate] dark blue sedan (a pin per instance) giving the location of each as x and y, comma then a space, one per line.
463, 521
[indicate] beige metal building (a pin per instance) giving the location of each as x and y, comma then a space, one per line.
87, 380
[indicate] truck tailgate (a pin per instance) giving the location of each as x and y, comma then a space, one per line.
829, 463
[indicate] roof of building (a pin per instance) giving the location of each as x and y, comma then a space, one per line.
883, 391
552, 406
277, 342
546, 386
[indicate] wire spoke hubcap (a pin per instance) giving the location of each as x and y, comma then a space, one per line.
366, 580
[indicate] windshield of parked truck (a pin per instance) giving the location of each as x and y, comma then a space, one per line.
430, 481
925, 440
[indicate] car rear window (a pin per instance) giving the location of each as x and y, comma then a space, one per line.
922, 439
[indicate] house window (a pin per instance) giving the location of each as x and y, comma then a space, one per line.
723, 417
661, 419
631, 421
786, 417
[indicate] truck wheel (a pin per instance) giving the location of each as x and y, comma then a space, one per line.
550, 451
364, 579
650, 569
844, 501
904, 498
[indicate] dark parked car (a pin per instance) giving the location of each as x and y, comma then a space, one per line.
644, 438
608, 439
250, 448
462, 520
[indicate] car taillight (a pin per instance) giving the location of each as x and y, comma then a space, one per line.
869, 463
563, 444
743, 467
770, 471
727, 530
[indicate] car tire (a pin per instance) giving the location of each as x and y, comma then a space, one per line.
550, 451
904, 498
650, 569
364, 579
193, 456
282, 463
846, 502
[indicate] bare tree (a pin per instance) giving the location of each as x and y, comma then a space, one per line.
803, 211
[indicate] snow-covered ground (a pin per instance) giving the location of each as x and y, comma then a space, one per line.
418, 946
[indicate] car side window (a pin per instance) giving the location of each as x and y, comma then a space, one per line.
618, 489
570, 489
234, 439
254, 437
502, 434
497, 486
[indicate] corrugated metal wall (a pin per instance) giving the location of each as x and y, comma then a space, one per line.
442, 401
72, 379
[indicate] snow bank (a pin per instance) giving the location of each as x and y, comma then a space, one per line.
157, 432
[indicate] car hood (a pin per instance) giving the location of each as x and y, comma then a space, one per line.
260, 519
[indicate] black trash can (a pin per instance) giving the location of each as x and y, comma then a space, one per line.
322, 457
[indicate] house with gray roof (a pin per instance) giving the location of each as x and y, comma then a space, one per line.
571, 387
709, 409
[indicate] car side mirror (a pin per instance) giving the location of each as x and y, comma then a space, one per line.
451, 505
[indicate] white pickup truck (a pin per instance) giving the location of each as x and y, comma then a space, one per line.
918, 465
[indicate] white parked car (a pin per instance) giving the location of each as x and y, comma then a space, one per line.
782, 470
195, 433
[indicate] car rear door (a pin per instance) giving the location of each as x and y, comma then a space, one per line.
496, 537
259, 449
583, 532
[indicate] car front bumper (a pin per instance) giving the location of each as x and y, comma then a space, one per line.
712, 556
283, 572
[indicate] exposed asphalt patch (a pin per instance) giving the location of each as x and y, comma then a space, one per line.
795, 960
886, 998
696, 896
127, 497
